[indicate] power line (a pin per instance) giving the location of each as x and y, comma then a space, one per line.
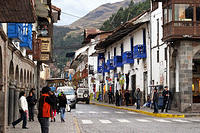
69, 14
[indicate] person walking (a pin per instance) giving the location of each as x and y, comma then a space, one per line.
155, 100
138, 96
44, 109
62, 105
54, 108
110, 97
127, 96
31, 103
117, 97
166, 97
23, 109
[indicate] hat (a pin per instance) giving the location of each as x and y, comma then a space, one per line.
166, 87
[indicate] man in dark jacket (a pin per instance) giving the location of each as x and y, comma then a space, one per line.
31, 103
44, 109
127, 96
62, 105
117, 97
138, 96
155, 100
166, 97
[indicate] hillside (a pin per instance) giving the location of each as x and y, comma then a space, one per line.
69, 38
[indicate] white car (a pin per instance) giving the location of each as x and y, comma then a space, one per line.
70, 94
83, 95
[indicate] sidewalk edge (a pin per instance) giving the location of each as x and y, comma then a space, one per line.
142, 112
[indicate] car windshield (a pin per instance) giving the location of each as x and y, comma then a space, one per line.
69, 92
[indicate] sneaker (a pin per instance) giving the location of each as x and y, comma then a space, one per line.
54, 119
25, 127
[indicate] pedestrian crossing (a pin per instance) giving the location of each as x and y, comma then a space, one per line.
142, 120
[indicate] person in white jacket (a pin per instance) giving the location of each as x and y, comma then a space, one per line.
23, 109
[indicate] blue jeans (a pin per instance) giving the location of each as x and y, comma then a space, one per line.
62, 113
138, 103
22, 118
155, 107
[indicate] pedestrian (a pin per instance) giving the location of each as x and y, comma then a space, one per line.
166, 97
127, 96
44, 109
110, 97
31, 103
155, 100
23, 109
120, 97
138, 96
117, 97
62, 105
54, 107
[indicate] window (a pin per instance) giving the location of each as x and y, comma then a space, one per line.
109, 55
158, 32
165, 16
131, 40
198, 13
144, 36
170, 13
183, 12
165, 53
122, 49
114, 51
157, 56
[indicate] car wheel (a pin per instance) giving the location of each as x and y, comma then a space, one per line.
85, 95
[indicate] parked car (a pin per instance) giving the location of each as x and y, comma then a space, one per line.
83, 95
70, 95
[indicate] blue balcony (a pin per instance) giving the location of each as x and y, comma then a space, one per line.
105, 68
118, 61
127, 58
15, 31
100, 69
27, 36
110, 64
139, 51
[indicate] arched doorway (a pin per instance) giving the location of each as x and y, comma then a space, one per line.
11, 93
21, 77
196, 78
25, 81
28, 79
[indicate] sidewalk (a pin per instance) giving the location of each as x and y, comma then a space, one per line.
69, 126
148, 111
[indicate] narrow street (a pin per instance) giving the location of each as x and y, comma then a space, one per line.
98, 119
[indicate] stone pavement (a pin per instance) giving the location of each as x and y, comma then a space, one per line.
148, 111
69, 126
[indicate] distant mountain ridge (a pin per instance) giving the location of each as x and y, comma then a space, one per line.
69, 38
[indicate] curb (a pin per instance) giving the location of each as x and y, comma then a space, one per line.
143, 112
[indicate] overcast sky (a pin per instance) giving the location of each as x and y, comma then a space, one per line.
78, 8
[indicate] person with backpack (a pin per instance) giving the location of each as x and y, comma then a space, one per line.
23, 109
62, 105
44, 109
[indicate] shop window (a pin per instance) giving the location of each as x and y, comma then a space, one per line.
183, 12
198, 13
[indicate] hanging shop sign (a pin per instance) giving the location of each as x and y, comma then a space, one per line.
44, 57
46, 44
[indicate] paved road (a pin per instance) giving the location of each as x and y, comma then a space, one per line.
97, 119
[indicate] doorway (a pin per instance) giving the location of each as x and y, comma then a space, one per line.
133, 84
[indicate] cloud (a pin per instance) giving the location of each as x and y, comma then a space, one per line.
78, 8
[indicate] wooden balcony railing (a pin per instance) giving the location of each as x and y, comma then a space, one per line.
181, 29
